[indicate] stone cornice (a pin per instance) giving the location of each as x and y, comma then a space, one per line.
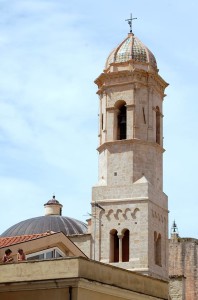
122, 201
40, 284
136, 77
136, 200
129, 141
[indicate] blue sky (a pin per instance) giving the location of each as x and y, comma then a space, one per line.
50, 54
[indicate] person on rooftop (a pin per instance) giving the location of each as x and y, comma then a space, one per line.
7, 257
20, 255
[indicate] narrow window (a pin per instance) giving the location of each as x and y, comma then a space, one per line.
158, 125
102, 122
144, 117
122, 123
46, 254
158, 252
125, 246
157, 248
114, 246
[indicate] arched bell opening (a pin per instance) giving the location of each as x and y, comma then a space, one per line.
125, 245
121, 122
114, 246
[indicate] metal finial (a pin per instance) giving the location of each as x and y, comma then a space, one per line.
130, 22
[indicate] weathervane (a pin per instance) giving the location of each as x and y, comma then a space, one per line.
130, 22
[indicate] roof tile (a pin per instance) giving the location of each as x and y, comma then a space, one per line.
12, 240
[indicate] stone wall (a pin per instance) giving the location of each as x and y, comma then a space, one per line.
177, 287
83, 242
183, 262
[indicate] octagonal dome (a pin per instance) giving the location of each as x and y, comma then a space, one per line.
131, 49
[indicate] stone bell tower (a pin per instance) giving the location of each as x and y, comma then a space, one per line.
129, 208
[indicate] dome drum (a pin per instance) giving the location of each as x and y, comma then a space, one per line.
53, 207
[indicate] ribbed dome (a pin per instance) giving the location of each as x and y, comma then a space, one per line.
43, 224
131, 49
52, 221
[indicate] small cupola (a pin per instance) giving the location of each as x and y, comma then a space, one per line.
53, 207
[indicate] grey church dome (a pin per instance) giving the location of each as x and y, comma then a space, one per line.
43, 224
51, 221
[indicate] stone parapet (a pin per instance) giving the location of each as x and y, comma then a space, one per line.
12, 276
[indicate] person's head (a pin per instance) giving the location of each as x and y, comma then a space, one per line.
20, 251
8, 252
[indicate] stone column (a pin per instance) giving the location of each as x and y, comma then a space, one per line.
130, 121
120, 236
110, 124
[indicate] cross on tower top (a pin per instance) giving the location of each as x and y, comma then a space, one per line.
130, 22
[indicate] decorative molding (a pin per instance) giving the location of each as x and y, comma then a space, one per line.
158, 216
127, 213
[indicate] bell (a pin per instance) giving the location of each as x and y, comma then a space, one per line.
123, 120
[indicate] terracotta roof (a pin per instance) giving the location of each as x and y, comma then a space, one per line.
12, 240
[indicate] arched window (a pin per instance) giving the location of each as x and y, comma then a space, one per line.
114, 246
122, 123
125, 245
157, 248
158, 129
120, 120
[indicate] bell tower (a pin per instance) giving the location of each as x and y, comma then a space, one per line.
129, 208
